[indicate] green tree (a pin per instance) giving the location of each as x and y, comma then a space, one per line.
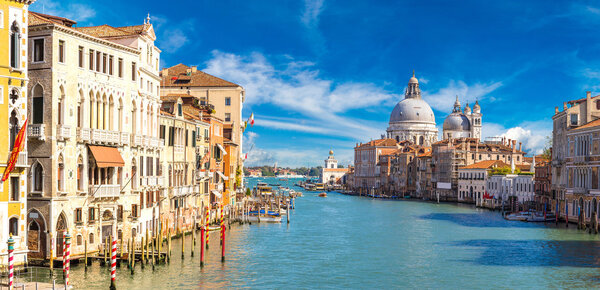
547, 153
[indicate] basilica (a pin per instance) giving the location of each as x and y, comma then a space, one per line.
412, 119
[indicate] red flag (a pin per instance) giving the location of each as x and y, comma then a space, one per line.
252, 119
174, 78
18, 146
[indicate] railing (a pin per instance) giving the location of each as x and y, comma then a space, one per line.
105, 190
83, 134
37, 131
98, 136
581, 159
160, 180
63, 132
113, 137
124, 138
137, 140
179, 148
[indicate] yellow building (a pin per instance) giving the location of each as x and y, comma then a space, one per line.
13, 112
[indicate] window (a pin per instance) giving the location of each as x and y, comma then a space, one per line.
81, 56
141, 165
158, 167
91, 61
134, 210
14, 128
13, 226
80, 177
78, 215
574, 120
120, 213
110, 65
133, 71
227, 117
61, 51
193, 138
38, 173
98, 61
104, 62
15, 46
120, 67
162, 132
228, 101
91, 216
79, 240
179, 109
14, 188
38, 50
38, 104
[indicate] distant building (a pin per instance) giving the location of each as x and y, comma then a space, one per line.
461, 124
331, 174
472, 181
366, 160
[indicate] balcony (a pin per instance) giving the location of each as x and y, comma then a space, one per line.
113, 137
581, 159
105, 190
201, 174
98, 136
63, 132
137, 140
83, 134
178, 149
37, 131
182, 190
124, 138
21, 159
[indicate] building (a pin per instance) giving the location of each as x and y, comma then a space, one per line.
461, 124
13, 105
472, 181
93, 138
226, 100
422, 168
515, 191
543, 183
450, 154
366, 163
412, 119
331, 174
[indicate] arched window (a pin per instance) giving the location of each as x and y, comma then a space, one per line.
421, 140
38, 104
60, 109
14, 128
38, 177
80, 173
79, 240
13, 226
91, 238
60, 174
15, 47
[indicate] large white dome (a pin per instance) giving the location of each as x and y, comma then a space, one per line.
457, 122
412, 110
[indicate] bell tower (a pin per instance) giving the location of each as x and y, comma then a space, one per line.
475, 119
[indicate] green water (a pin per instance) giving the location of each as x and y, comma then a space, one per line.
356, 242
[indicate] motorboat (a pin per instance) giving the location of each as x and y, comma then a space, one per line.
323, 194
518, 216
539, 217
268, 217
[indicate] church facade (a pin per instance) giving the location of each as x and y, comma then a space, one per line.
330, 173
463, 124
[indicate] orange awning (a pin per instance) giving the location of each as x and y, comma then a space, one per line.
107, 156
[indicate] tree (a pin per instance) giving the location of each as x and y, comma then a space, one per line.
547, 153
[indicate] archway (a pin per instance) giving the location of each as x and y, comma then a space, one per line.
61, 229
36, 235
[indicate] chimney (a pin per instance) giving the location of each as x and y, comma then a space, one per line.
189, 70
564, 105
194, 68
588, 107
555, 110
165, 72
520, 146
514, 146
509, 143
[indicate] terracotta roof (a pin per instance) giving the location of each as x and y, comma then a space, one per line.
190, 116
105, 30
485, 164
380, 143
169, 98
336, 169
581, 100
166, 113
39, 18
588, 125
194, 79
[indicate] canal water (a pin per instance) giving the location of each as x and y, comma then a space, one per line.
356, 242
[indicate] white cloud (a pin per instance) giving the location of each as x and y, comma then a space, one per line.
312, 9
256, 156
171, 39
297, 87
74, 11
533, 135
443, 99
174, 40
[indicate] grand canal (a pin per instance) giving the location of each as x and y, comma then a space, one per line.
356, 242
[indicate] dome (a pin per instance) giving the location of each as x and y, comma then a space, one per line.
467, 109
413, 79
412, 110
456, 122
476, 108
330, 152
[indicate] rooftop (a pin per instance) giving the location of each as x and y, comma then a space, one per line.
183, 75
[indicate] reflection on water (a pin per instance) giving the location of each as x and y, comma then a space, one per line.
356, 242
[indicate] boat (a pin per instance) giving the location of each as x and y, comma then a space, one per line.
539, 217
283, 179
268, 217
518, 216
323, 194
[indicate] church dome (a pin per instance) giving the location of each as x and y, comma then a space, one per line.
412, 110
456, 122
476, 108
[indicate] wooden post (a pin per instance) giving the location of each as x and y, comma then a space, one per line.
143, 253
202, 246
106, 250
132, 256
129, 254
223, 244
85, 261
51, 255
207, 225
147, 242
193, 237
182, 245
152, 261
169, 244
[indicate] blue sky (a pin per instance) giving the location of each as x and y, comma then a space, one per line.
323, 74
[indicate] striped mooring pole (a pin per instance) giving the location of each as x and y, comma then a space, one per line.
113, 264
221, 223
64, 247
206, 225
202, 246
67, 261
222, 243
11, 261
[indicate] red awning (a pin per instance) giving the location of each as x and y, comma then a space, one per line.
107, 156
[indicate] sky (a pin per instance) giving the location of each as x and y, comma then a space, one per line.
324, 75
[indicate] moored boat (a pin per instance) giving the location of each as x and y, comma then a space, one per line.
518, 216
323, 194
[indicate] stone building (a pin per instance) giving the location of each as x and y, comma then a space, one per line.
543, 183
472, 180
366, 159
461, 124
412, 119
331, 174
226, 99
450, 154
93, 168
13, 114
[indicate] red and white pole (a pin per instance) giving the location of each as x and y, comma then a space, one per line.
64, 257
11, 261
223, 244
202, 246
67, 254
113, 264
206, 224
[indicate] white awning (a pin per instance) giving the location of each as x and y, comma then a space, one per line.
222, 175
222, 149
216, 193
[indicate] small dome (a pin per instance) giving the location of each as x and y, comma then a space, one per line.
412, 110
467, 109
476, 107
456, 122
330, 152
413, 79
